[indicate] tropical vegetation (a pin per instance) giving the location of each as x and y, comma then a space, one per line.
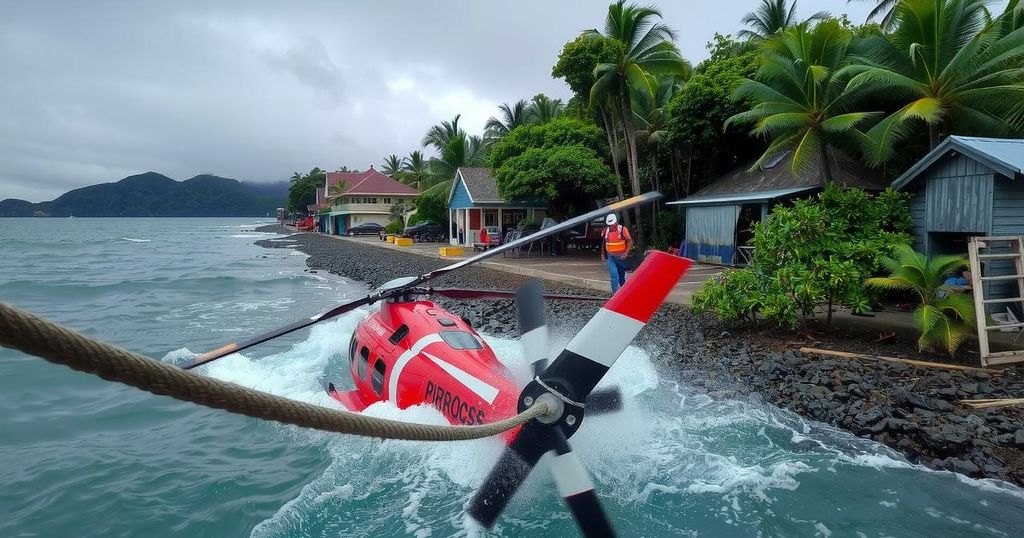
812, 255
944, 316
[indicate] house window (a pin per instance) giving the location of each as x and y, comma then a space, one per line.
490, 218
373, 200
387, 201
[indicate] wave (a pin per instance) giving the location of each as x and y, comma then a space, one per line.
133, 240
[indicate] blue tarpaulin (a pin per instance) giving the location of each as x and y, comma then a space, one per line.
711, 233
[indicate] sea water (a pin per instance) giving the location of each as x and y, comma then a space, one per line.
83, 457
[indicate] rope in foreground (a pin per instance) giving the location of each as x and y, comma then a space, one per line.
33, 335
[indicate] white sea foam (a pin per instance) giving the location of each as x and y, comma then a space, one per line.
134, 240
670, 444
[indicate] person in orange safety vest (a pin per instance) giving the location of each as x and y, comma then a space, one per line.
615, 246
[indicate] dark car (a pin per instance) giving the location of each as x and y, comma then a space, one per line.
426, 232
370, 228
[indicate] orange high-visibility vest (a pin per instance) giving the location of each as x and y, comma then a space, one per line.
615, 239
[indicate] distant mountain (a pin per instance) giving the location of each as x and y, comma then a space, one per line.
156, 195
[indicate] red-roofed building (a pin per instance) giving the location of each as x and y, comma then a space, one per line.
365, 197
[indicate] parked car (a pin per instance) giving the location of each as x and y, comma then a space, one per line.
426, 232
370, 228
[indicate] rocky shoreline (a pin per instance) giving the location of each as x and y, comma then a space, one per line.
911, 409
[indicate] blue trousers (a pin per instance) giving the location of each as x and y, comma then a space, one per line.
616, 271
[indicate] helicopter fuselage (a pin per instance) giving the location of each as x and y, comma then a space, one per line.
414, 353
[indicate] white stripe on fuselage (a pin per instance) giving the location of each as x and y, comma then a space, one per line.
403, 359
483, 390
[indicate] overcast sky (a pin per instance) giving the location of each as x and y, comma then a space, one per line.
95, 91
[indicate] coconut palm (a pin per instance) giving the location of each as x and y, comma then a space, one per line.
512, 116
415, 170
952, 70
799, 98
543, 109
944, 316
646, 48
296, 177
392, 165
772, 17
439, 135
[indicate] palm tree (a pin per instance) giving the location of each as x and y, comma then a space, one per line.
543, 109
883, 8
392, 165
944, 316
296, 177
512, 116
953, 71
439, 135
799, 97
337, 190
772, 17
651, 116
646, 47
415, 170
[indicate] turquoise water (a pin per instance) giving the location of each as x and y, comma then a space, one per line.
83, 457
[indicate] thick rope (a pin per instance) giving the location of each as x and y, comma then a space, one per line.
33, 335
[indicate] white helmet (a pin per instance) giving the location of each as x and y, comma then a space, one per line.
611, 219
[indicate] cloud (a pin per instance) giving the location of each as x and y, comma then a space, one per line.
100, 90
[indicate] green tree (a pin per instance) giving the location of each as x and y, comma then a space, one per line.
799, 98
576, 64
415, 170
432, 204
302, 192
647, 48
772, 17
454, 149
559, 161
512, 116
543, 109
696, 118
392, 165
950, 70
944, 316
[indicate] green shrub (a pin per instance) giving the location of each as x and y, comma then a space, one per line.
394, 227
815, 253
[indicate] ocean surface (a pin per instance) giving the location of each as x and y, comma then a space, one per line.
83, 457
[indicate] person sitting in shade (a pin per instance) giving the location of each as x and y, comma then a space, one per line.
960, 282
615, 246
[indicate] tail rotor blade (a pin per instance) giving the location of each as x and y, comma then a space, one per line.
606, 400
576, 488
592, 352
511, 470
533, 328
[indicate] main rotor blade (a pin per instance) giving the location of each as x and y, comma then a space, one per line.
511, 470
210, 356
592, 352
547, 232
533, 328
459, 293
577, 490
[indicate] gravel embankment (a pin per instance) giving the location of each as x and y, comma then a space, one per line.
909, 408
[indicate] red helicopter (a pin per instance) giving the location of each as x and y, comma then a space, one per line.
413, 352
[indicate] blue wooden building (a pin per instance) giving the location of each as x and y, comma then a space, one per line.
474, 203
967, 186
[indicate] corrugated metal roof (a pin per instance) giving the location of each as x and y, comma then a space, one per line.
1004, 155
740, 197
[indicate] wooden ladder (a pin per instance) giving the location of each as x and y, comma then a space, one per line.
981, 249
